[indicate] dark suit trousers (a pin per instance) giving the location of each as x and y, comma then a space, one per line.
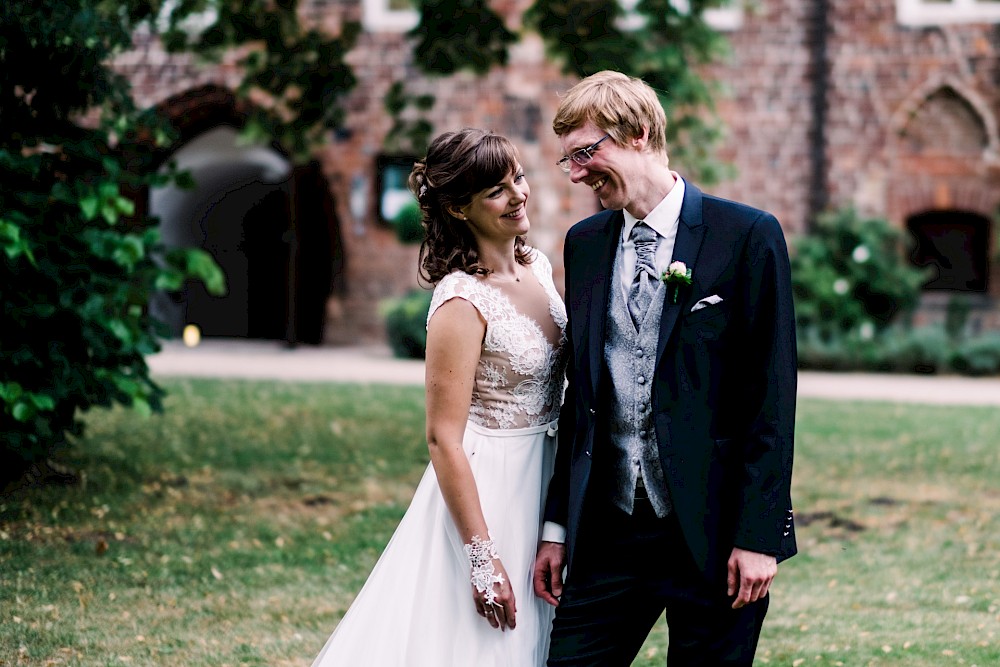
629, 569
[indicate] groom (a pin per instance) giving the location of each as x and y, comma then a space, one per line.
671, 488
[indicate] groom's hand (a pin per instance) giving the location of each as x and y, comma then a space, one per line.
547, 578
750, 576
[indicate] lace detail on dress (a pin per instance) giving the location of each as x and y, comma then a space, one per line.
494, 376
519, 381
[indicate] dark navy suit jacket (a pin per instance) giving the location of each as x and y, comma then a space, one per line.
724, 386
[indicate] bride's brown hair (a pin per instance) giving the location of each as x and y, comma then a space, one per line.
458, 165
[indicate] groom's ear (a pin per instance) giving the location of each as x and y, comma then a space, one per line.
640, 142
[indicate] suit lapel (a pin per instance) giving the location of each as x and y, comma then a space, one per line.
690, 234
600, 286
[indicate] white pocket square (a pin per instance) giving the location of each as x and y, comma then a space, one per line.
707, 301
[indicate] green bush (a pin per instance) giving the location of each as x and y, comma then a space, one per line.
78, 264
826, 354
928, 349
77, 270
956, 317
850, 278
977, 356
883, 352
854, 291
408, 224
918, 350
406, 323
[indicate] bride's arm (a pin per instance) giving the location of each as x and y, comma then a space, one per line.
455, 335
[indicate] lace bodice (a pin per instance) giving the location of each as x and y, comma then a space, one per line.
519, 379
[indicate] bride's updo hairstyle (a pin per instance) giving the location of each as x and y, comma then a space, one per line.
458, 165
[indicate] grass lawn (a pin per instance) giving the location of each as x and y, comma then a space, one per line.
236, 528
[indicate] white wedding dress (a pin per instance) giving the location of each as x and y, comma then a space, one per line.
416, 608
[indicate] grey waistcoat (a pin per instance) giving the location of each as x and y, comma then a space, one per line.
630, 356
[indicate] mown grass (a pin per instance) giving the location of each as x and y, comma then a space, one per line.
236, 528
898, 515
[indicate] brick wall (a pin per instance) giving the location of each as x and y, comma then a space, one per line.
767, 111
899, 111
910, 126
518, 102
912, 116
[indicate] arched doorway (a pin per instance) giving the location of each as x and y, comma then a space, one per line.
943, 189
237, 212
271, 227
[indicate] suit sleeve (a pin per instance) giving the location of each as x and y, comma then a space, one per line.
557, 501
769, 374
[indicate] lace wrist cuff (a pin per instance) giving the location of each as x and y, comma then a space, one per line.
481, 554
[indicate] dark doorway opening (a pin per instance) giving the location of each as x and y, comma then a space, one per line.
956, 244
244, 228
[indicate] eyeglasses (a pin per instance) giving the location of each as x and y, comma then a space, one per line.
582, 156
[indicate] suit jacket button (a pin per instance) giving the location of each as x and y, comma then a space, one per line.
593, 411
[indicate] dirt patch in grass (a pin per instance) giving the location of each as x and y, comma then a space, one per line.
830, 519
333, 505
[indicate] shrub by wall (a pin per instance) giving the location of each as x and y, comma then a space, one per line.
406, 323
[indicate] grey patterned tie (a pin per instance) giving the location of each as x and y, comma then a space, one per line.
644, 281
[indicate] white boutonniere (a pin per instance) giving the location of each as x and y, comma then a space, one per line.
676, 276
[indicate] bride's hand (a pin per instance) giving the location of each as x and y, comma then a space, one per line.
501, 614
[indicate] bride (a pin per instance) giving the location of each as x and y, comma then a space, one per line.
453, 586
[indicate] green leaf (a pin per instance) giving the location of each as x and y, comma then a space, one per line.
42, 402
9, 232
120, 330
130, 250
12, 243
160, 138
127, 385
10, 391
89, 206
170, 281
125, 206
141, 405
184, 180
395, 99
201, 265
23, 411
107, 190
110, 213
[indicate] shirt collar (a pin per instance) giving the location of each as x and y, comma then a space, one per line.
664, 216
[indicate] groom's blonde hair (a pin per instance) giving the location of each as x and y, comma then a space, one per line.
618, 104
